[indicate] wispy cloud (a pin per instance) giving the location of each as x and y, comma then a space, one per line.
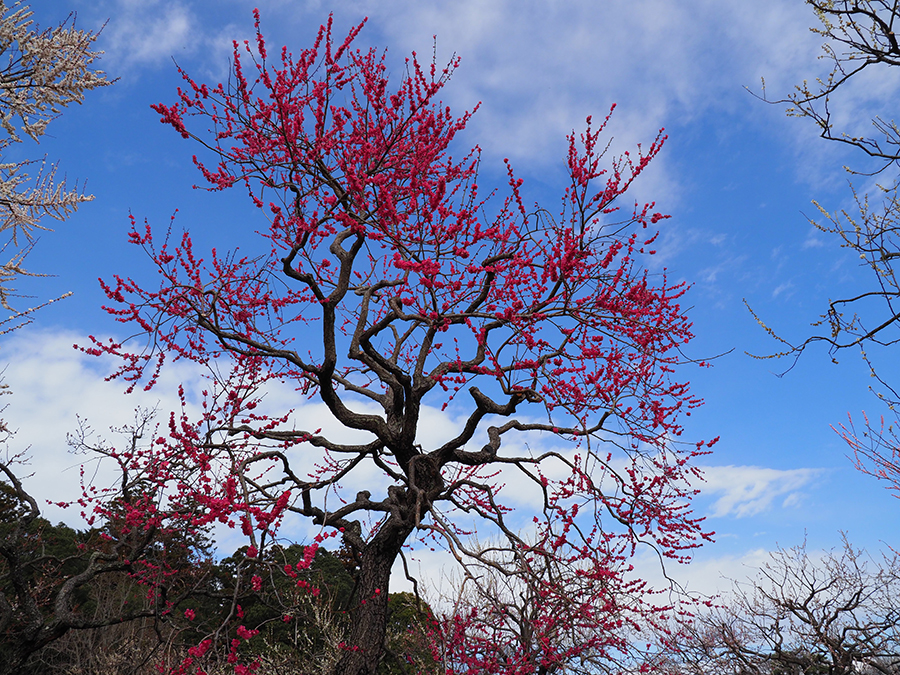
708, 575
540, 67
741, 491
148, 33
812, 241
661, 61
143, 35
782, 288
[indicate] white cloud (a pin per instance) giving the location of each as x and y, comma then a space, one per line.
782, 288
542, 67
742, 491
148, 33
812, 241
52, 384
722, 575
709, 576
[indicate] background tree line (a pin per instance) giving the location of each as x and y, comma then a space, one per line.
115, 621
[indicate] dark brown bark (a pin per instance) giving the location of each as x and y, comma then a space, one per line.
365, 643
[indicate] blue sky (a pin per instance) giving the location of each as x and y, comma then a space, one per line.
737, 176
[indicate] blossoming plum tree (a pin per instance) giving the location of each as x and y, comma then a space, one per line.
384, 286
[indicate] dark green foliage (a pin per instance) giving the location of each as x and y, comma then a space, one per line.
93, 601
409, 644
295, 610
302, 615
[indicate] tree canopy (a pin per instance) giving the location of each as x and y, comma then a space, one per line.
386, 283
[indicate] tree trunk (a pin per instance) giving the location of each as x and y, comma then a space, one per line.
365, 646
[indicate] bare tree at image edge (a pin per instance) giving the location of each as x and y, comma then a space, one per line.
859, 38
834, 615
41, 72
